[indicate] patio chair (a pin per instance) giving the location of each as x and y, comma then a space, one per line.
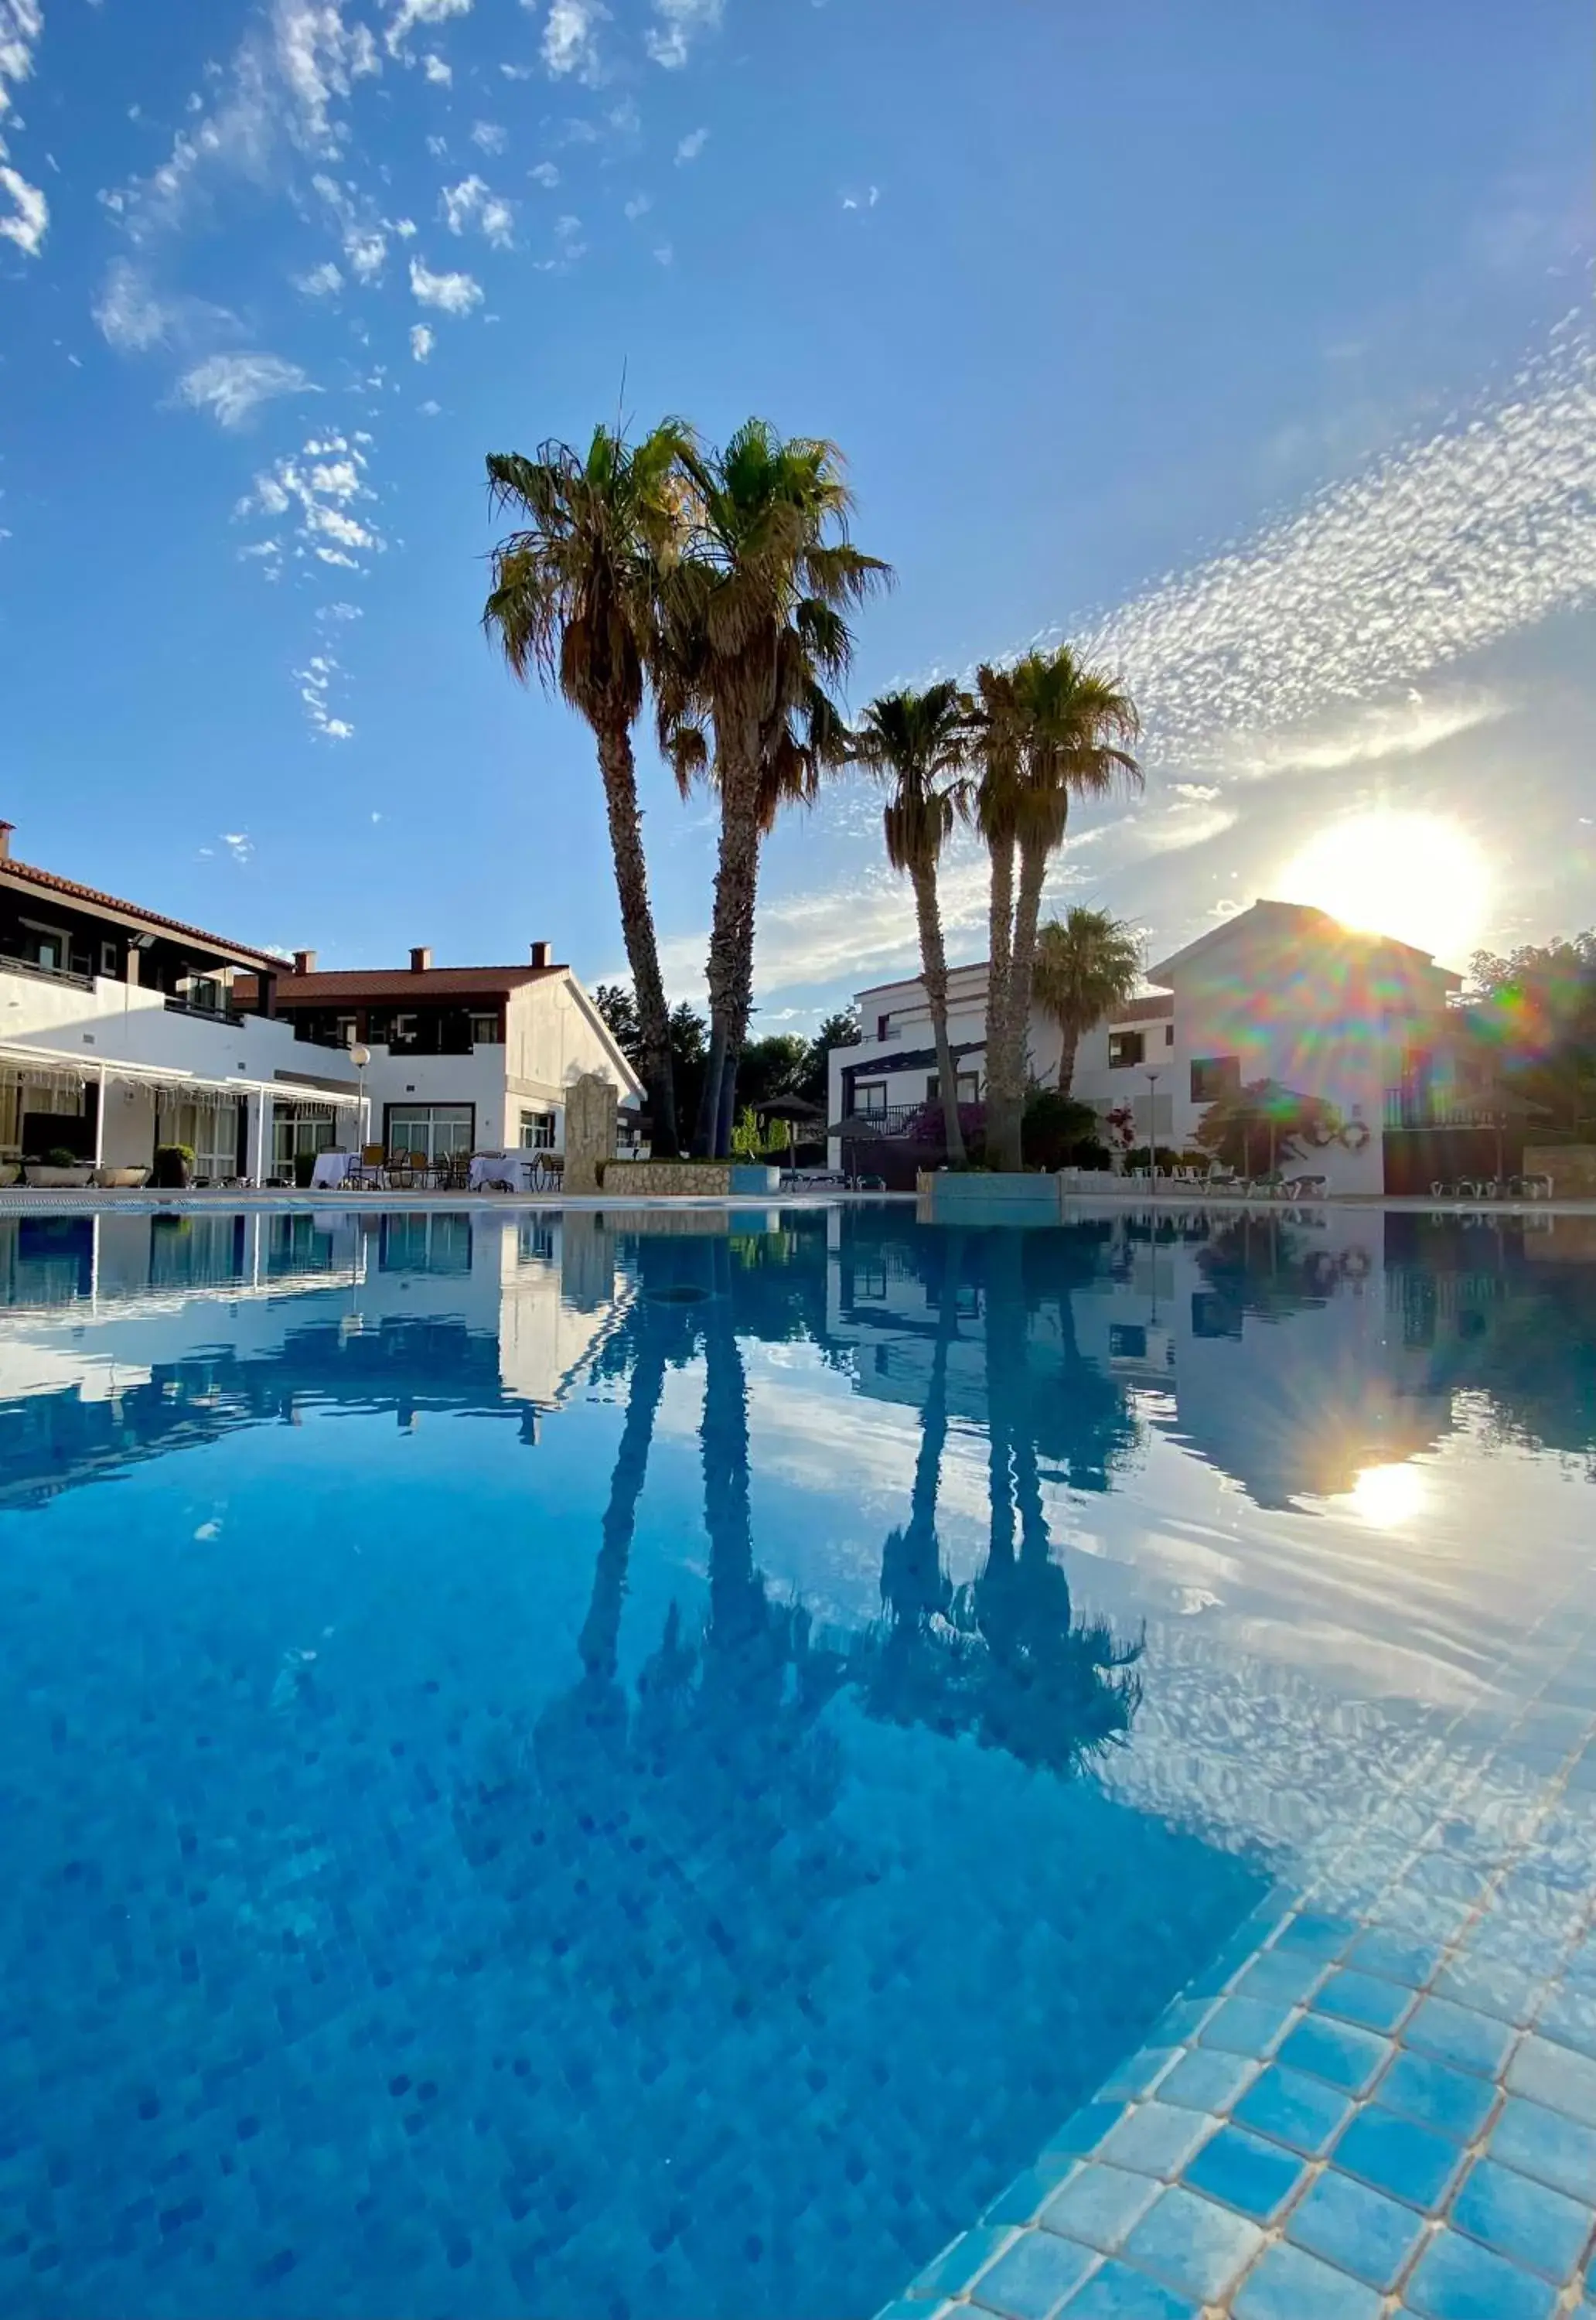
366, 1173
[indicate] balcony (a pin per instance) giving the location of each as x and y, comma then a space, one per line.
13, 966
176, 1006
1449, 1107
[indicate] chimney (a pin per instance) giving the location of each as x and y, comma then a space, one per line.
304, 962
421, 959
5, 830
541, 954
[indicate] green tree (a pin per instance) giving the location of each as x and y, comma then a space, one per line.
575, 599
618, 1008
1240, 1126
840, 1031
918, 744
1087, 965
1049, 730
756, 634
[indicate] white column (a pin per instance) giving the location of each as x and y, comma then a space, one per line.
257, 1138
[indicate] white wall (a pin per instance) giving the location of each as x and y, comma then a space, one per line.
113, 1021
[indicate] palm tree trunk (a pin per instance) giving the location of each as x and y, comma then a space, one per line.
601, 1630
1071, 1040
933, 967
1003, 1095
618, 767
1016, 1020
731, 945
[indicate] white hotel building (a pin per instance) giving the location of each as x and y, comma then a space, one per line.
1280, 991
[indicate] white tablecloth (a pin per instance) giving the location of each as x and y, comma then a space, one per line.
512, 1168
329, 1171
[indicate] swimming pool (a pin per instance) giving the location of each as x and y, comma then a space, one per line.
720, 1764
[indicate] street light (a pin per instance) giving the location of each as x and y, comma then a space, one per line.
360, 1056
1152, 1080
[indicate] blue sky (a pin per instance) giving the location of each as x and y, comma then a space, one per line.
1250, 343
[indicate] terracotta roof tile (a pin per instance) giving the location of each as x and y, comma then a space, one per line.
341, 987
10, 868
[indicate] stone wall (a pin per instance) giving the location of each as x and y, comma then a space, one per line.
708, 1179
1571, 1168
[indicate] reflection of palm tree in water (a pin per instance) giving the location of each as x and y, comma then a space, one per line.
1002, 1654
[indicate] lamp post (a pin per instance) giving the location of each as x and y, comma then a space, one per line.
360, 1056
1152, 1080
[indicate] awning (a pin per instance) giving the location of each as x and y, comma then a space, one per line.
38, 1066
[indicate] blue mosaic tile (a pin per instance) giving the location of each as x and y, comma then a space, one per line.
1287, 2285
1360, 2230
1399, 2156
1190, 2245
1536, 2226
1395, 1956
1490, 1987
1569, 2016
960, 2260
1555, 2076
1138, 2077
1303, 2113
1179, 2023
1099, 2206
1364, 1999
1321, 1937
911, 2307
1030, 2280
1548, 2145
1454, 2103
1116, 2293
1207, 2079
1022, 2197
1246, 2025
1287, 1976
1454, 2279
1455, 2034
1347, 2057
1154, 2139
1256, 2177
1081, 2133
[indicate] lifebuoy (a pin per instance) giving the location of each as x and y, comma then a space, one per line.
1354, 1136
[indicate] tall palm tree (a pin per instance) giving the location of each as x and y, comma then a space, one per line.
918, 743
575, 598
1087, 964
1052, 730
757, 635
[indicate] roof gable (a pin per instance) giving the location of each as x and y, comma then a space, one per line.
1294, 924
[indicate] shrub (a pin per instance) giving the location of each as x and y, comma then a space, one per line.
1052, 1126
174, 1165
58, 1157
1090, 1154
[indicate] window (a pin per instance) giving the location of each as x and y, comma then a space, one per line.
405, 1027
1169, 1035
210, 1131
1128, 1342
433, 1128
344, 1029
884, 1027
1126, 1048
1213, 1076
110, 959
967, 1088
297, 1130
205, 993
537, 1131
870, 1095
484, 1031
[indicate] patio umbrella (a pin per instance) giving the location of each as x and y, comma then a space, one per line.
798, 1113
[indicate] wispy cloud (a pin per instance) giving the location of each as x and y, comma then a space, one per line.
568, 247
488, 136
322, 281
638, 205
570, 39
362, 234
471, 203
26, 220
232, 387
677, 24
422, 341
437, 71
450, 293
692, 146
544, 173
410, 14
865, 201
321, 488
1368, 733
315, 681
239, 844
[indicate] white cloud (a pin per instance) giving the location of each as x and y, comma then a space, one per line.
865, 201
665, 254
422, 341
570, 39
429, 409
518, 72
322, 281
680, 22
323, 484
569, 246
409, 14
315, 681
450, 293
639, 205
1364, 734
692, 146
231, 388
470, 202
22, 26
545, 174
360, 230
436, 70
239, 844
132, 317
487, 136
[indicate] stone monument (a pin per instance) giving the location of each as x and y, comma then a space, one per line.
591, 1103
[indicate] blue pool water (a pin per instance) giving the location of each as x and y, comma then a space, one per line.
629, 1766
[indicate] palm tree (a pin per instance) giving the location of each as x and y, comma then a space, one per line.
1087, 965
1051, 731
575, 598
919, 742
756, 634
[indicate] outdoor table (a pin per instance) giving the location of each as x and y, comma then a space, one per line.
523, 1172
330, 1169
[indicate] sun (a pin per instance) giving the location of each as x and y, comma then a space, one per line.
1388, 1498
1414, 876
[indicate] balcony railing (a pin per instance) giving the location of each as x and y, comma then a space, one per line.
177, 1005
13, 966
922, 1120
1409, 1107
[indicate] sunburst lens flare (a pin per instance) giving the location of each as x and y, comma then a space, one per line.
1416, 876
